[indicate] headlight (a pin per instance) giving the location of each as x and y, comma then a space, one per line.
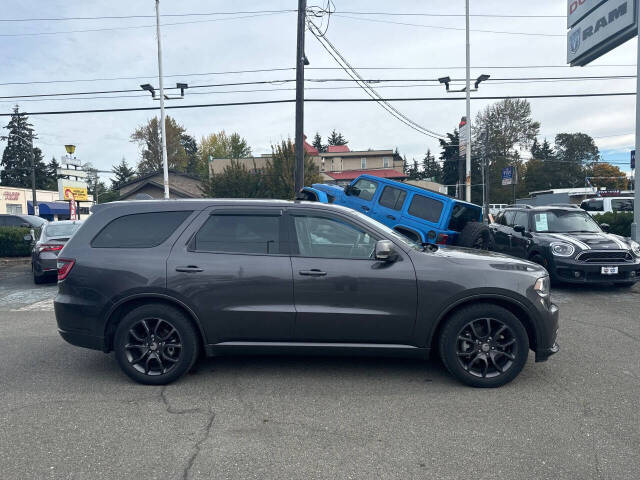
562, 249
542, 286
635, 248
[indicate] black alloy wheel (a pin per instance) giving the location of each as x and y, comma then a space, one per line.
484, 345
155, 344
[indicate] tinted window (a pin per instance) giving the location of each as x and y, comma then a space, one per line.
508, 217
426, 208
239, 234
522, 218
592, 205
364, 189
140, 230
463, 214
622, 205
11, 221
332, 238
392, 198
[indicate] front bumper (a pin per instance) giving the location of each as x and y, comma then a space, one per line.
573, 271
547, 335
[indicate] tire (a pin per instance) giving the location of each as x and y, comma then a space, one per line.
37, 279
475, 235
159, 353
466, 360
624, 284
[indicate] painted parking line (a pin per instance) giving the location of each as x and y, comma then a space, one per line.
42, 306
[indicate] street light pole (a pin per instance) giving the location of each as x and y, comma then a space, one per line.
468, 169
163, 133
635, 226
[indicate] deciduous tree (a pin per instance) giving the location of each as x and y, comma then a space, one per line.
149, 141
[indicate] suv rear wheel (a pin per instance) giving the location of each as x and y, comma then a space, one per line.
475, 235
484, 345
155, 344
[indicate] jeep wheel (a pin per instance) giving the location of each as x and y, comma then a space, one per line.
484, 345
475, 235
155, 344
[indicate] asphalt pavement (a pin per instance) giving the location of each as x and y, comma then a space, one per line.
70, 413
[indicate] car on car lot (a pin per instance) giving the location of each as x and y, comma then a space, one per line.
27, 221
571, 245
596, 206
44, 254
423, 215
157, 282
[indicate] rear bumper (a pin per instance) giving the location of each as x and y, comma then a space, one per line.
79, 324
82, 339
571, 271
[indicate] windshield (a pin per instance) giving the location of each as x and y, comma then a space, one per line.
560, 221
61, 229
391, 233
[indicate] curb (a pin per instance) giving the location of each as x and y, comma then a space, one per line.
15, 260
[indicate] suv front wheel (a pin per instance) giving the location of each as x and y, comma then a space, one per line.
155, 344
484, 345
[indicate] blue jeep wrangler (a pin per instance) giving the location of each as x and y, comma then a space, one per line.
423, 215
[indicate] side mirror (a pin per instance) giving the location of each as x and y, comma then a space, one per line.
385, 251
348, 190
519, 228
28, 238
25, 225
605, 226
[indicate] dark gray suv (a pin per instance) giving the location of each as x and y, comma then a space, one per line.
159, 282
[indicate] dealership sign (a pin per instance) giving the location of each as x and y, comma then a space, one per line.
72, 189
509, 175
598, 27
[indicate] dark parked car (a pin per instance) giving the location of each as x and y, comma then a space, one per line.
44, 254
568, 243
160, 281
28, 221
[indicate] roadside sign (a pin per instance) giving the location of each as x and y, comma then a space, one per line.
73, 210
463, 128
508, 176
70, 172
77, 188
633, 159
577, 9
601, 30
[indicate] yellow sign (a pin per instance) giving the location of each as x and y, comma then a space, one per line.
75, 193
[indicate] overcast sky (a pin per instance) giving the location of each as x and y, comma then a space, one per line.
210, 44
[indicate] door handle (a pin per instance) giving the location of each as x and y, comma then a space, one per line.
391, 217
189, 269
312, 273
365, 208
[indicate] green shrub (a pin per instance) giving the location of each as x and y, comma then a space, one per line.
619, 222
12, 242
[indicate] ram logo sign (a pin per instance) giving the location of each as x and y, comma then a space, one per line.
604, 28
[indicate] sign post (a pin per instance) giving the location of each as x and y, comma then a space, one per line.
596, 27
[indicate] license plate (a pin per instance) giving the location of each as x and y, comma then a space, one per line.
609, 270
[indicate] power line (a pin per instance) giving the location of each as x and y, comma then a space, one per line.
328, 46
419, 14
131, 27
440, 27
121, 17
281, 69
327, 100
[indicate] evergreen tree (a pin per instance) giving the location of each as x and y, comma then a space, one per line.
317, 143
191, 150
122, 174
52, 174
449, 158
413, 172
431, 168
336, 139
19, 154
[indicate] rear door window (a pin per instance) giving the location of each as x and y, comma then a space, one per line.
622, 205
139, 230
240, 233
592, 205
392, 198
427, 208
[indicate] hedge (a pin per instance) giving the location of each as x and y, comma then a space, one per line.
619, 222
12, 242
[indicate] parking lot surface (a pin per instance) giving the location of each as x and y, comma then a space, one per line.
67, 412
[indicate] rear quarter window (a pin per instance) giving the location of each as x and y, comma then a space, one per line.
139, 230
426, 208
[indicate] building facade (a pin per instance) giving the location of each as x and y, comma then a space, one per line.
181, 185
18, 201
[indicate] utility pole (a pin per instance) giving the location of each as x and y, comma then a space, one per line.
300, 63
635, 226
163, 133
468, 169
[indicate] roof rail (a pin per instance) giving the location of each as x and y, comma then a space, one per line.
519, 205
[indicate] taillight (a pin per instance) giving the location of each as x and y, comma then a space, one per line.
50, 247
64, 267
442, 239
